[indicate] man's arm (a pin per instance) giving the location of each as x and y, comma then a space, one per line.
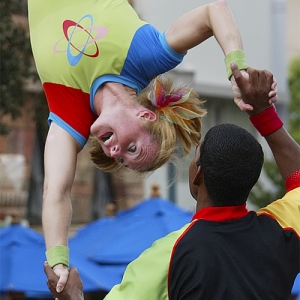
286, 152
60, 163
264, 117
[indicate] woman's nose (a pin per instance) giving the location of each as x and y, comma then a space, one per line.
93, 128
114, 151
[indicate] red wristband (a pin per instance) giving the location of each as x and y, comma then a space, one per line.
293, 181
267, 121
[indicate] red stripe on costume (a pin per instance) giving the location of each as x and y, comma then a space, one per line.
293, 181
174, 248
221, 213
71, 105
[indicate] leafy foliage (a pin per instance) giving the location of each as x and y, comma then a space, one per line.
294, 105
261, 196
16, 59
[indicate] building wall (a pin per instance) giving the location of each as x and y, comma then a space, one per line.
270, 31
255, 19
207, 60
293, 29
265, 26
15, 156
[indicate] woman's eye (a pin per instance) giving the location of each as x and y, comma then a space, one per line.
132, 149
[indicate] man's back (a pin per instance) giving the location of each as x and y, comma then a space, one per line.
229, 253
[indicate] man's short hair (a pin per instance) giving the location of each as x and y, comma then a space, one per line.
231, 160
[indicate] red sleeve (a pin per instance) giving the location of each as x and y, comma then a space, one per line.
71, 105
293, 181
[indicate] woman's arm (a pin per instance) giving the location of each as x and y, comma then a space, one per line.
214, 19
60, 164
194, 27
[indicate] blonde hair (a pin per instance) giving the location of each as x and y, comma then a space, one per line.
163, 133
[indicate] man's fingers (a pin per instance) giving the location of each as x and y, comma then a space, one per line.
253, 76
235, 71
240, 77
74, 270
269, 74
51, 287
270, 80
267, 79
47, 269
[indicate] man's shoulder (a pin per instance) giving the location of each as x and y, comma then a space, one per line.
138, 284
285, 210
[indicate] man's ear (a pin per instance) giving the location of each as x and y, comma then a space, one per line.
198, 176
147, 115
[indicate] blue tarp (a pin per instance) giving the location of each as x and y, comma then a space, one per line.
22, 255
116, 241
101, 250
296, 287
121, 239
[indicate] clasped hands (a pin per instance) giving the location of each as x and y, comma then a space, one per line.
240, 82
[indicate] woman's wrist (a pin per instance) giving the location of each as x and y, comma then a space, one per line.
58, 255
238, 57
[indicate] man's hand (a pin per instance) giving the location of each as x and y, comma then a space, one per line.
255, 90
243, 77
73, 290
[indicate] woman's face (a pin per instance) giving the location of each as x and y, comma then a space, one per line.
122, 137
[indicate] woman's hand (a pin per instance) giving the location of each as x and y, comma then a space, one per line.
63, 273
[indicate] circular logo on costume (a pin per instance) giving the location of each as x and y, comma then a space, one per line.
78, 38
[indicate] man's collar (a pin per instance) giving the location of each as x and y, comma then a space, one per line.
221, 213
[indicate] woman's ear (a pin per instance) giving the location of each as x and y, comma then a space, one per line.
147, 115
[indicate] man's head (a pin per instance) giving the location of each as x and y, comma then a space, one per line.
228, 163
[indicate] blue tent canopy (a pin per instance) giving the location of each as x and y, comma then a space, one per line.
121, 239
22, 255
296, 287
20, 234
114, 242
101, 250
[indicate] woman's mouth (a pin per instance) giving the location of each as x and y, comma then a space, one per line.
106, 138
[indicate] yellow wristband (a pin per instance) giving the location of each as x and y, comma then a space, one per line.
58, 255
238, 57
